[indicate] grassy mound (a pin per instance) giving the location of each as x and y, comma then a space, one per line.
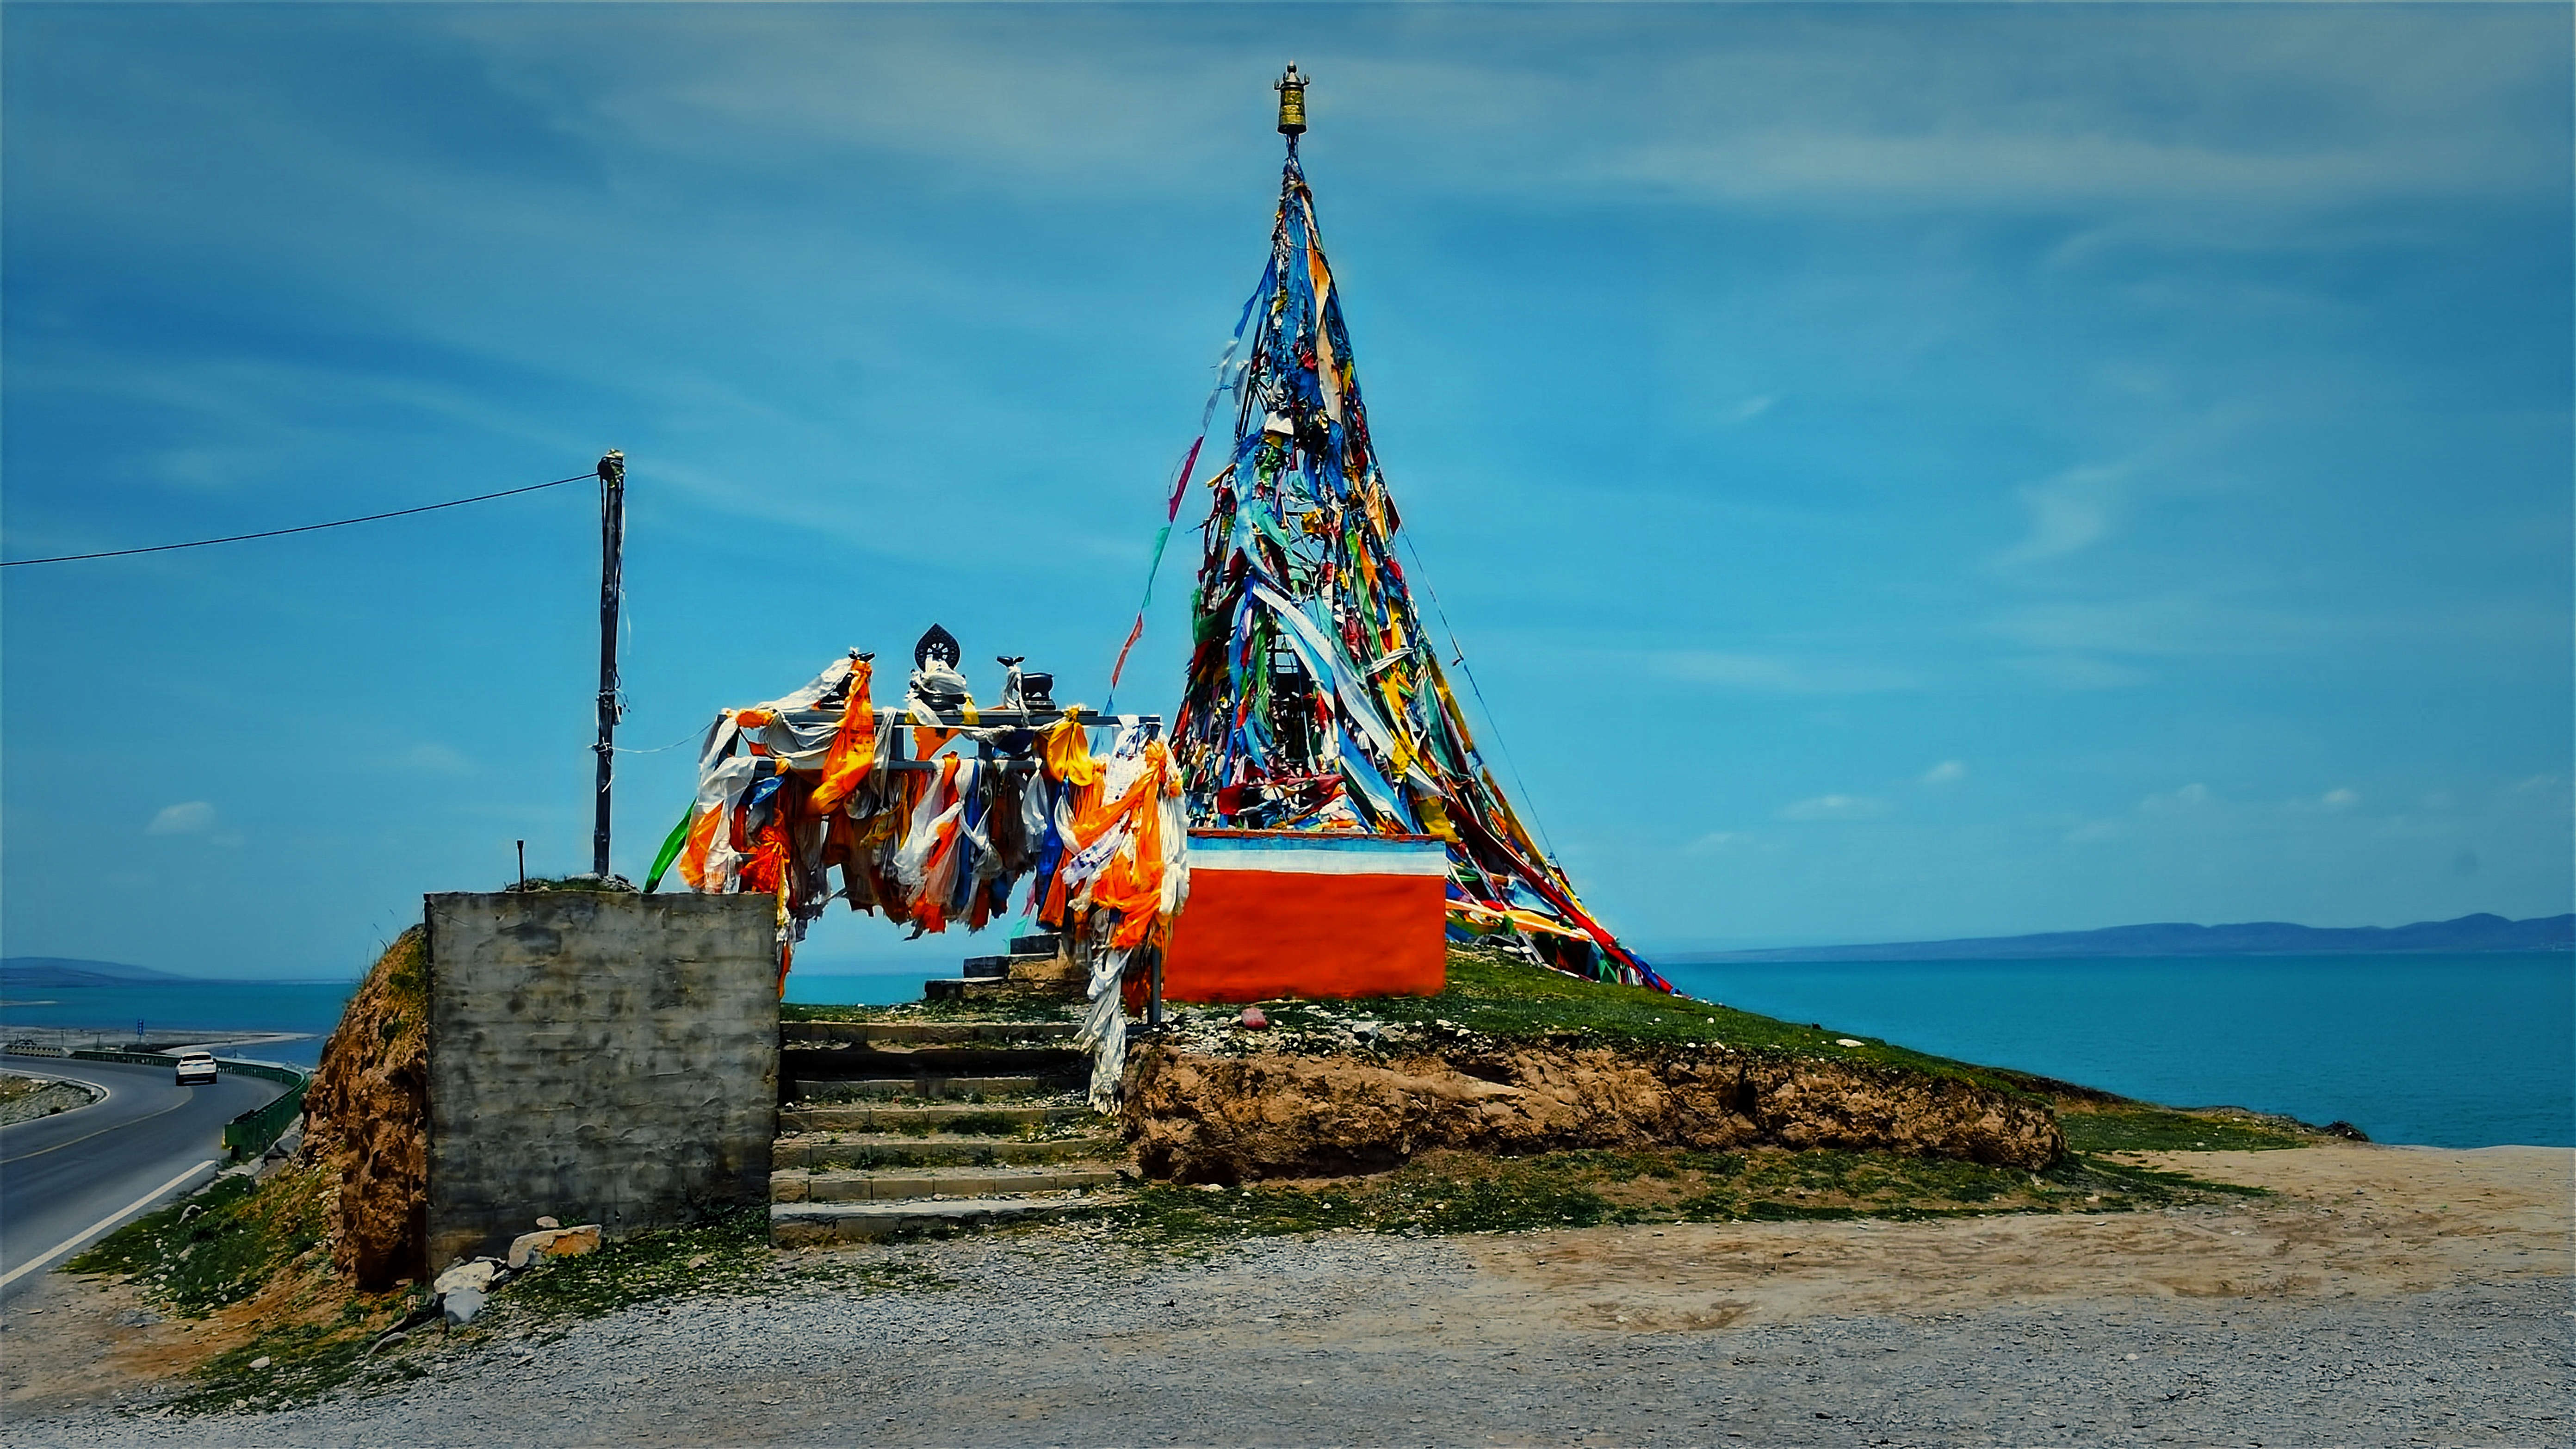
1465, 1192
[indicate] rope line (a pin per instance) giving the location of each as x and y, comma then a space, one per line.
691, 737
306, 528
1493, 727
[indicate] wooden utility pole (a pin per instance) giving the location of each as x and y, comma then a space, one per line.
612, 560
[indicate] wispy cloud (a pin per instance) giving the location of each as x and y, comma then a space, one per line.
1948, 772
2194, 796
2070, 512
436, 759
1836, 807
1779, 674
2174, 624
2077, 671
191, 817
1747, 410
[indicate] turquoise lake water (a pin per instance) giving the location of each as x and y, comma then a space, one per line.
311, 1007
2453, 1051
2449, 1051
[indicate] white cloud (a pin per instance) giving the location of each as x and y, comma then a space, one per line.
2070, 512
1718, 840
2189, 797
1945, 773
437, 759
2340, 799
2077, 671
1747, 410
1835, 807
192, 817
1772, 674
2171, 625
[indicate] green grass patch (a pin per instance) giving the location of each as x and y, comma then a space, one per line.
236, 1241
2137, 1127
1493, 993
218, 1247
292, 1363
980, 1124
1456, 1192
728, 1252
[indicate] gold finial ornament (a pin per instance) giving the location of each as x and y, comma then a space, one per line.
1292, 102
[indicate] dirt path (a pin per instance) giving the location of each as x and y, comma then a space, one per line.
2345, 1220
2380, 1296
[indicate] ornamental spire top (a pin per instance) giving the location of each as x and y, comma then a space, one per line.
1292, 102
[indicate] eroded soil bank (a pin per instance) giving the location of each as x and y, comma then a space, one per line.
1202, 1118
367, 1120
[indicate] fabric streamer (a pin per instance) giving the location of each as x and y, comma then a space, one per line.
791, 790
1315, 700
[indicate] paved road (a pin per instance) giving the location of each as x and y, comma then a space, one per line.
67, 1178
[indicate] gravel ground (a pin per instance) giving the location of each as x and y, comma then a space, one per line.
1064, 1338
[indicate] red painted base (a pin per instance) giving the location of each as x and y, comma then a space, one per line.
1249, 935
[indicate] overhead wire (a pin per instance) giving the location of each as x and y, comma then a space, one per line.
304, 528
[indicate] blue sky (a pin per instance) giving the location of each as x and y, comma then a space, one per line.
1894, 472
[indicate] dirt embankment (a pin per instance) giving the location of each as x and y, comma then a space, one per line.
1200, 1118
367, 1120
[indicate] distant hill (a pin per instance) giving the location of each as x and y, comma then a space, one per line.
2265, 938
50, 972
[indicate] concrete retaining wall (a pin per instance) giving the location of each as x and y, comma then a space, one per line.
596, 1057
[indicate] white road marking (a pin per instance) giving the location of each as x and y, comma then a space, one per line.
101, 1226
103, 1131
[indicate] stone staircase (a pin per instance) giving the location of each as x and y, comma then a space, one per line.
1035, 966
889, 1129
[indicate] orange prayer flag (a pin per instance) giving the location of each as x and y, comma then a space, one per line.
854, 745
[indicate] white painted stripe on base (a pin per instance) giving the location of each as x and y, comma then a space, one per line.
76, 1240
1322, 862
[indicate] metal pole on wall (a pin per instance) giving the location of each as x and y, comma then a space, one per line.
612, 549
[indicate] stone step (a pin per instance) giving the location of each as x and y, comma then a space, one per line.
985, 968
923, 1033
1047, 944
823, 1224
968, 988
899, 1184
865, 1061
952, 1088
833, 1151
949, 1117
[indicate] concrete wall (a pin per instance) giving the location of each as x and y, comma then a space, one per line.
594, 1057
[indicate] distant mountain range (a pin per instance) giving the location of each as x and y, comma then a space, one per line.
46, 973
2253, 938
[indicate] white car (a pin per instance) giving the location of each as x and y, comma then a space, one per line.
196, 1068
